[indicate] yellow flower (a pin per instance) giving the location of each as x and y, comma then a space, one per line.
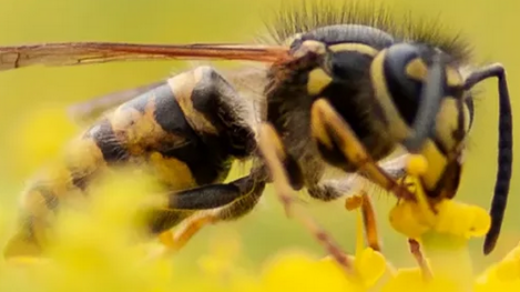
224, 250
502, 276
301, 272
96, 250
412, 279
414, 219
40, 134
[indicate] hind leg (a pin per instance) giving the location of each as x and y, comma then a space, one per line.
209, 204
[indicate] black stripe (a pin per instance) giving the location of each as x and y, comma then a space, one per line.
79, 181
404, 92
51, 201
140, 102
213, 97
205, 154
81, 178
108, 143
28, 233
206, 165
168, 113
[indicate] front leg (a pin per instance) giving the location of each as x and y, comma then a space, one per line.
333, 135
273, 154
357, 198
333, 189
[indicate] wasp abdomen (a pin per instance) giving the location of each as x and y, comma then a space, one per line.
185, 132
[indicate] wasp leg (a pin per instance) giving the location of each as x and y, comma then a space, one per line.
357, 185
192, 225
209, 205
415, 250
175, 240
369, 218
362, 201
273, 153
332, 133
334, 189
370, 223
331, 190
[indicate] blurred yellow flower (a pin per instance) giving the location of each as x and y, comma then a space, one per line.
502, 276
97, 250
39, 135
412, 279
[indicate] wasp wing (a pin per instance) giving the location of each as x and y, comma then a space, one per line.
90, 110
76, 53
249, 81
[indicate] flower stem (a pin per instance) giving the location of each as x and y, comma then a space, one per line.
449, 258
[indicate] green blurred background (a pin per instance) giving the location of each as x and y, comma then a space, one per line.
33, 122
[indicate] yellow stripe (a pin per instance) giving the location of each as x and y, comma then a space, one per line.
354, 47
317, 81
398, 128
447, 122
182, 86
437, 163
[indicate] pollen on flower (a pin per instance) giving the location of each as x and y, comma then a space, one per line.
415, 218
417, 165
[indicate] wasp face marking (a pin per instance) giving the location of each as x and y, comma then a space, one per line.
416, 69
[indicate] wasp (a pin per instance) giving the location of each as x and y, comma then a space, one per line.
341, 88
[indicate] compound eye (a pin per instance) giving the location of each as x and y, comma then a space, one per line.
406, 70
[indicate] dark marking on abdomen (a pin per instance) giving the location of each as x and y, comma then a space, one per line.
79, 180
204, 163
108, 143
201, 153
51, 201
213, 98
168, 113
140, 102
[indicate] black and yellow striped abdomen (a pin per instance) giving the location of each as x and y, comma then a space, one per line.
175, 131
